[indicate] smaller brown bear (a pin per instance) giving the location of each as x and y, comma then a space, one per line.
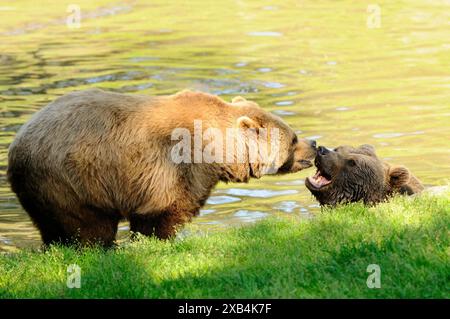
347, 174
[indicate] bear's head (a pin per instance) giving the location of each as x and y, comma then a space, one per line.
280, 151
347, 174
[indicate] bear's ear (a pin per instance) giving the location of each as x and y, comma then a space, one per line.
398, 176
367, 149
238, 99
244, 122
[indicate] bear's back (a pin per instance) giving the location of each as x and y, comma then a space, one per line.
90, 143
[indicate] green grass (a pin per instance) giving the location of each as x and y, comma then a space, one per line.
281, 257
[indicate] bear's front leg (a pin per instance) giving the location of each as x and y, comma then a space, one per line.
170, 222
144, 224
164, 225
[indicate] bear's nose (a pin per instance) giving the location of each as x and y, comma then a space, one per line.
313, 143
322, 150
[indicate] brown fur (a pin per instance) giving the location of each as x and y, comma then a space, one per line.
357, 174
91, 158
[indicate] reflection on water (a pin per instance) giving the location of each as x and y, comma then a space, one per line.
316, 64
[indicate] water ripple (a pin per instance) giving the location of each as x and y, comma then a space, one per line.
265, 34
260, 193
218, 200
249, 216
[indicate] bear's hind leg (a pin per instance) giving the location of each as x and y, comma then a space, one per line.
44, 218
85, 227
94, 226
51, 232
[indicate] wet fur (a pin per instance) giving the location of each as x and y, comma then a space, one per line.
359, 175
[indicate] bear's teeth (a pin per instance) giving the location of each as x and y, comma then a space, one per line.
316, 176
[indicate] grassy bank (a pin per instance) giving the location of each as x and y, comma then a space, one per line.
325, 257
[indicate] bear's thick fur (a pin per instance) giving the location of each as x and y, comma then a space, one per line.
92, 158
347, 174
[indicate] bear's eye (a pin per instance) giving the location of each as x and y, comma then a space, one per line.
294, 140
351, 162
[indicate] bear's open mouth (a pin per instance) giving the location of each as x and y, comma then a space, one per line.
320, 179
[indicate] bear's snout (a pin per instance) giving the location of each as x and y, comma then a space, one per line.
322, 156
306, 152
322, 150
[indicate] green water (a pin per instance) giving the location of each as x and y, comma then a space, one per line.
324, 66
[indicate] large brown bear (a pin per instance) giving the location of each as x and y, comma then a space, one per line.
347, 174
92, 158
